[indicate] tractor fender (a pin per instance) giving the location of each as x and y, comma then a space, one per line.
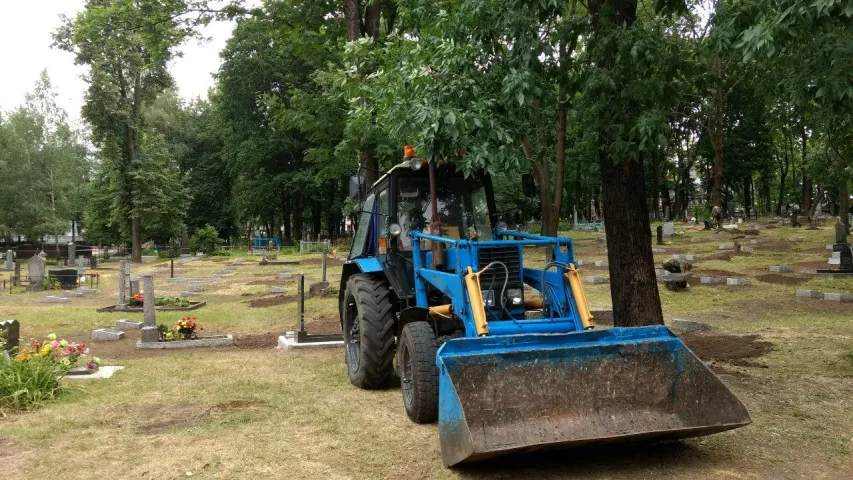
414, 314
352, 267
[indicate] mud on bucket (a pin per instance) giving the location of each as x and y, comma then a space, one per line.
505, 394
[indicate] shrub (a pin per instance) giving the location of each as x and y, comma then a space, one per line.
50, 283
171, 302
33, 375
29, 383
205, 240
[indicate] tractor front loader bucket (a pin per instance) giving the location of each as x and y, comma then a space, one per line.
515, 393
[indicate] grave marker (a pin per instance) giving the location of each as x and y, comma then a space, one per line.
809, 293
36, 272
781, 269
122, 284
107, 334
150, 332
10, 259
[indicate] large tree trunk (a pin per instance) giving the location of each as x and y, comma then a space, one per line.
816, 203
783, 175
371, 19
546, 205
656, 189
370, 165
135, 240
135, 226
716, 131
352, 17
633, 286
296, 202
316, 219
807, 181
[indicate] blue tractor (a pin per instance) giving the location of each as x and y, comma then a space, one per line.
504, 355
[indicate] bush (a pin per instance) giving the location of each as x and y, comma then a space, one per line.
30, 383
50, 283
171, 302
33, 375
205, 240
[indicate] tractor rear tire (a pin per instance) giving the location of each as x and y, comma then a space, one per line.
418, 372
368, 326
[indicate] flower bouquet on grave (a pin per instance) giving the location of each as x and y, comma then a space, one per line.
135, 300
62, 354
186, 328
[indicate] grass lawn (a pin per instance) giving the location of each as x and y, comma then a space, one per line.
252, 411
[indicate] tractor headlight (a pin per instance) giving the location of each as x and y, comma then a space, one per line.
395, 229
502, 225
415, 163
489, 298
516, 299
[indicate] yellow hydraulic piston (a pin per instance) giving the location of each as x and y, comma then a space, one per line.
574, 279
475, 295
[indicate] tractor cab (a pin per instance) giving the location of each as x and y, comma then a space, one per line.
400, 203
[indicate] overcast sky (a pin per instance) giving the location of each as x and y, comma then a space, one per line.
25, 29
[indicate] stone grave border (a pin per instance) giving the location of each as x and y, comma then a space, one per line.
115, 309
201, 342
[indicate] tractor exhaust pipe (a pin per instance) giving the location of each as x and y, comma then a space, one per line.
435, 223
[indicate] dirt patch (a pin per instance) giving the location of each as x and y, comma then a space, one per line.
267, 302
6, 445
261, 341
780, 279
732, 349
239, 405
710, 272
161, 418
319, 261
777, 246
726, 256
812, 267
324, 326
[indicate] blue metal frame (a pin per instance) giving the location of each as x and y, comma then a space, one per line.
561, 316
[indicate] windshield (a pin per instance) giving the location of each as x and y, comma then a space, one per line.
462, 208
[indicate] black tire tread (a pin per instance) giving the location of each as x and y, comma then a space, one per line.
373, 303
420, 339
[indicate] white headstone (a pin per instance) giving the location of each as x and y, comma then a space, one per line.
668, 229
10, 260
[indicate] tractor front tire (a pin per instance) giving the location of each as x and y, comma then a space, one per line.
368, 327
418, 372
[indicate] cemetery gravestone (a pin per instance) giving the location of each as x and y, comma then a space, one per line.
72, 253
668, 230
12, 333
150, 332
10, 259
185, 244
67, 277
36, 272
840, 232
122, 284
